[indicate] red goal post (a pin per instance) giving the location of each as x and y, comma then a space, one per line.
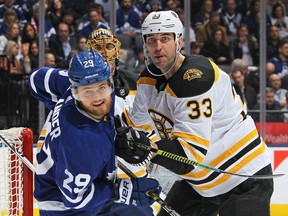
16, 179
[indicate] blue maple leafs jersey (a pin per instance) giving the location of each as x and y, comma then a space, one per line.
49, 84
76, 164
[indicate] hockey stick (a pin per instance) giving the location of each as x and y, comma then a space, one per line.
21, 156
153, 195
196, 163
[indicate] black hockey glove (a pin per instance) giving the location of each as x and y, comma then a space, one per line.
125, 148
120, 85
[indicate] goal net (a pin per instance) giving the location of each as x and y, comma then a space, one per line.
16, 179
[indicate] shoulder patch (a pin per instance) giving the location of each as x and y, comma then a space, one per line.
192, 74
196, 76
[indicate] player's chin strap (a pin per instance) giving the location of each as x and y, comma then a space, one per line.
196, 163
153, 195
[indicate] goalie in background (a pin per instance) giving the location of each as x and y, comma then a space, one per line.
75, 172
198, 115
49, 84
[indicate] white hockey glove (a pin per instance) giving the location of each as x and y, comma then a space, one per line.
125, 148
133, 191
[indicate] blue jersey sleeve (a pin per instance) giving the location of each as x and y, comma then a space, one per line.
48, 85
77, 161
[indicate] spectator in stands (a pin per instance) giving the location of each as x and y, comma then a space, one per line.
11, 34
273, 39
28, 34
195, 48
155, 5
270, 69
204, 31
245, 46
181, 15
270, 4
251, 76
55, 12
81, 8
49, 30
61, 45
100, 9
31, 58
10, 16
81, 44
231, 18
107, 8
10, 4
279, 19
128, 20
252, 18
171, 5
271, 105
49, 60
11, 49
204, 14
93, 23
69, 19
281, 61
245, 91
216, 49
280, 93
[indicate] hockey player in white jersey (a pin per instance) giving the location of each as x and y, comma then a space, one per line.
198, 115
75, 172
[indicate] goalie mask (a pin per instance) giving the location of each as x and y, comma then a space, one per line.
87, 68
105, 43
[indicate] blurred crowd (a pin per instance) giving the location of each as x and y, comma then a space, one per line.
226, 31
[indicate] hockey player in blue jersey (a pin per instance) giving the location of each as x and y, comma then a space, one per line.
75, 169
49, 84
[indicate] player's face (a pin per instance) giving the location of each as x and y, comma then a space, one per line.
96, 98
107, 50
162, 49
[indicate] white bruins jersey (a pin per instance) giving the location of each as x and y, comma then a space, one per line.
199, 110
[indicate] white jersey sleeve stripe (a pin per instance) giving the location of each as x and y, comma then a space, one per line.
47, 87
32, 82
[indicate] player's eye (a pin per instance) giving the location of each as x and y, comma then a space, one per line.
110, 46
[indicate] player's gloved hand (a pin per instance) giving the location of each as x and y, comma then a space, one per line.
126, 148
121, 87
133, 191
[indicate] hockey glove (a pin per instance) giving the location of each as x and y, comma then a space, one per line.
125, 148
133, 191
120, 86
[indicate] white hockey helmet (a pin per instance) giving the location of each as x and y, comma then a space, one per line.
162, 22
